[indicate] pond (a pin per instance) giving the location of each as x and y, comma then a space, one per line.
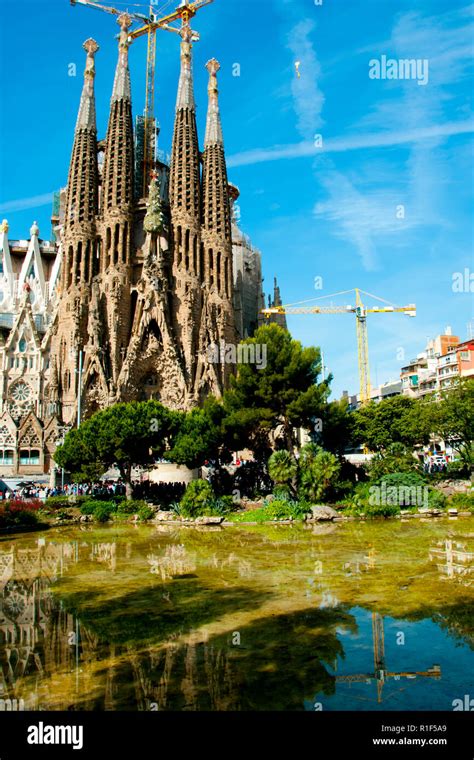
347, 616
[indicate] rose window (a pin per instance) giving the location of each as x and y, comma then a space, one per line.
21, 393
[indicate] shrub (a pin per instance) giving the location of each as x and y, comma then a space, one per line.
199, 499
145, 512
103, 512
462, 501
397, 479
381, 510
357, 502
176, 508
457, 469
17, 512
223, 505
132, 507
63, 502
404, 489
281, 492
436, 499
89, 507
280, 509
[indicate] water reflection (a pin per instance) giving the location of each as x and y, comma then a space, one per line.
381, 673
136, 618
454, 561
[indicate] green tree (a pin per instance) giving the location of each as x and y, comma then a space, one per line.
397, 458
203, 435
399, 419
335, 428
454, 419
318, 471
125, 435
280, 396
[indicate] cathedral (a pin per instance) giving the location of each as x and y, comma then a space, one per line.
124, 304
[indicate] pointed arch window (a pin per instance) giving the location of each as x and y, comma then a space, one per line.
211, 267
186, 249
218, 270
178, 246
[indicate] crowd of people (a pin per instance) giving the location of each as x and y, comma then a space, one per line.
41, 491
150, 491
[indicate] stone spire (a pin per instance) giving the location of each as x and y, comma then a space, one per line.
185, 208
117, 218
122, 89
215, 187
185, 97
184, 178
78, 245
218, 318
86, 116
213, 124
117, 177
82, 188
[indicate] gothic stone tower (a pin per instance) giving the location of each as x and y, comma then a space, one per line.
116, 223
78, 245
217, 323
185, 208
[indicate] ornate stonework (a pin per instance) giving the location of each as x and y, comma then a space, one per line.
127, 300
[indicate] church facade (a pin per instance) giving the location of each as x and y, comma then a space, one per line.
125, 303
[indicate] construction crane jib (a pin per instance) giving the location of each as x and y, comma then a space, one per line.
360, 311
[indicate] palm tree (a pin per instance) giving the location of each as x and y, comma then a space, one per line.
282, 469
317, 470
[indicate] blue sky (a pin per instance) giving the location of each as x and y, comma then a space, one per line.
330, 212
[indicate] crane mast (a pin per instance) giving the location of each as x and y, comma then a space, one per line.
381, 673
360, 311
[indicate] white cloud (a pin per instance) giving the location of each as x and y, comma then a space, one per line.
308, 100
21, 204
367, 219
358, 141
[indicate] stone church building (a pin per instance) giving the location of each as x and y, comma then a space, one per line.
125, 303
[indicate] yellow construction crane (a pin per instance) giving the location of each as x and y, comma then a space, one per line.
150, 23
381, 674
360, 312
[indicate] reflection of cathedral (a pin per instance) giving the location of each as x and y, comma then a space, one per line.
33, 631
124, 304
65, 645
43, 647
453, 561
